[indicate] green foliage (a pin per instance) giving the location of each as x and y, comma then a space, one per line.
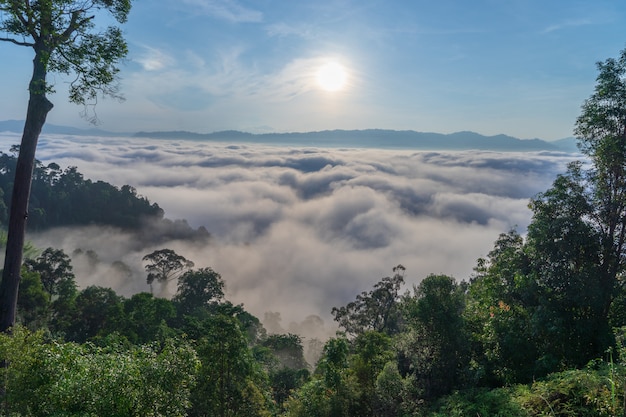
434, 351
62, 35
97, 312
479, 402
574, 393
52, 378
372, 350
334, 392
374, 310
284, 382
230, 383
145, 319
498, 315
566, 263
33, 302
288, 350
198, 289
55, 270
389, 391
64, 198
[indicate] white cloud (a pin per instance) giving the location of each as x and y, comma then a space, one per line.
300, 230
153, 59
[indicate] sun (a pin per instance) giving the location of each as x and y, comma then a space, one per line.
332, 76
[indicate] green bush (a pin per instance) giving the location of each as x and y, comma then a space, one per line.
68, 379
479, 402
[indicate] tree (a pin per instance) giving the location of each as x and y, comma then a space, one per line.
165, 265
98, 311
567, 266
601, 133
577, 239
435, 349
499, 305
55, 269
198, 289
372, 350
33, 303
375, 310
145, 318
229, 381
288, 349
63, 38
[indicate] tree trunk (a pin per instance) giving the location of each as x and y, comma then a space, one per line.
38, 108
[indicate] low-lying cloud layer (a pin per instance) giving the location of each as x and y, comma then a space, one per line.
299, 230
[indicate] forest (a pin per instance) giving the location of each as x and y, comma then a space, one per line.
538, 329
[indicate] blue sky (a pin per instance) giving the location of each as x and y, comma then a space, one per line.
519, 67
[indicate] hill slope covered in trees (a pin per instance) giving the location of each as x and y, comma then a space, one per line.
63, 197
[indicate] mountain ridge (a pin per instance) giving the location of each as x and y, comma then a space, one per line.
360, 138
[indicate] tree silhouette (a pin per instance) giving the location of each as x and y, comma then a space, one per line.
165, 265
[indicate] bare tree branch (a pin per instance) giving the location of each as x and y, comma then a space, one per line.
15, 41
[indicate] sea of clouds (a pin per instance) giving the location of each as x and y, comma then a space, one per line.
297, 230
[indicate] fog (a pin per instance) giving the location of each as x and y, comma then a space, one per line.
298, 230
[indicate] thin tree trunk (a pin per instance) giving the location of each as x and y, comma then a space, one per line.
38, 108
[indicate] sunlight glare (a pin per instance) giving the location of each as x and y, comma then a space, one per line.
332, 76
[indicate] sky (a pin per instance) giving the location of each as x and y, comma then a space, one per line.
299, 230
518, 67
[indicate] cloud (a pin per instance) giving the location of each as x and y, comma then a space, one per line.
299, 230
194, 84
566, 24
228, 10
282, 29
152, 59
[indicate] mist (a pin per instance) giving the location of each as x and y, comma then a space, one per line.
298, 230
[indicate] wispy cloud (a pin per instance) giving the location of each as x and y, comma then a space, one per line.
229, 10
566, 24
153, 59
226, 77
283, 29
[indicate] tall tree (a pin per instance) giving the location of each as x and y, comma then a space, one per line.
374, 310
165, 265
199, 289
63, 36
601, 131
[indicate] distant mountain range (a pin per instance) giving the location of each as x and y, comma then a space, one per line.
369, 138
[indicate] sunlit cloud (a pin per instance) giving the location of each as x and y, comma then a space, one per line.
228, 79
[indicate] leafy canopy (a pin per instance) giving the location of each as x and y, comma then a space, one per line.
64, 37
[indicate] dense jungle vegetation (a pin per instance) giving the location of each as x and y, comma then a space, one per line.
63, 197
538, 329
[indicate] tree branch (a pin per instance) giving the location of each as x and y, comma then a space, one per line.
15, 41
27, 23
74, 24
